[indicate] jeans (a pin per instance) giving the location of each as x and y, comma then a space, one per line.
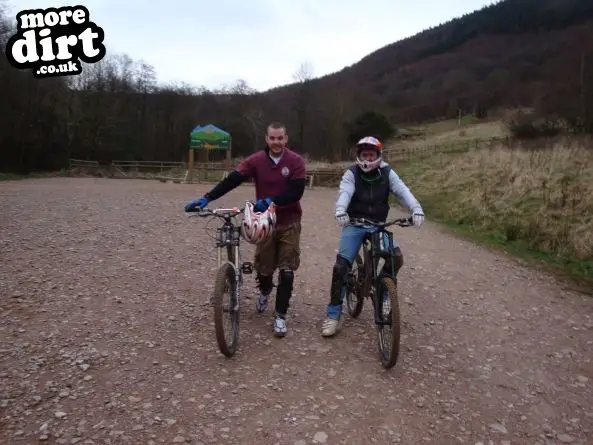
350, 243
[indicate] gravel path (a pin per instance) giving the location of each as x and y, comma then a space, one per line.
106, 337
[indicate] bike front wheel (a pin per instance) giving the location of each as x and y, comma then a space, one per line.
388, 332
226, 284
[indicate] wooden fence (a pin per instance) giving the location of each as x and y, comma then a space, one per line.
322, 176
81, 163
454, 146
136, 166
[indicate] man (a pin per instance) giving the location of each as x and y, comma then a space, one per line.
364, 193
279, 175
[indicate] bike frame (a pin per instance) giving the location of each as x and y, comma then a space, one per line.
374, 250
376, 245
229, 235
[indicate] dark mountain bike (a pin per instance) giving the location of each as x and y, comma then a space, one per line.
365, 281
229, 277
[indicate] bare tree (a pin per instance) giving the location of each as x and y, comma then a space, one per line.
302, 98
241, 87
250, 110
304, 73
146, 78
6, 27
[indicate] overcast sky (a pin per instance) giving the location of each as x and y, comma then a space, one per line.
261, 41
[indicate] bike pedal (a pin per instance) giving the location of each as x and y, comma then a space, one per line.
247, 268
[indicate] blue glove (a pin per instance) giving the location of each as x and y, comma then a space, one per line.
262, 205
196, 204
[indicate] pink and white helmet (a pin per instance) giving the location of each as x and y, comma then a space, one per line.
366, 143
258, 226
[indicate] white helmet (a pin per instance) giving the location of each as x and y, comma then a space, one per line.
258, 226
369, 142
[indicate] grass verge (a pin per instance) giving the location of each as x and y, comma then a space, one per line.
11, 177
534, 204
33, 175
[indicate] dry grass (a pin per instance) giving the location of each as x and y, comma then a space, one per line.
325, 165
542, 198
446, 135
448, 132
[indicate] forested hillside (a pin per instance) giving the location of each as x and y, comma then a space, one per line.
533, 53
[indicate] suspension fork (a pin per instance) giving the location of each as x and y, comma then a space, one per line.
380, 289
366, 274
376, 285
228, 235
235, 240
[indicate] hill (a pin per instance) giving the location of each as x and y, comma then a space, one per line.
512, 53
528, 53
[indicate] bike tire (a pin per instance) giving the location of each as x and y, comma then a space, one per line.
225, 274
389, 355
355, 307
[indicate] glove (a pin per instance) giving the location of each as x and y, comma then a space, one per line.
262, 205
342, 218
418, 218
196, 204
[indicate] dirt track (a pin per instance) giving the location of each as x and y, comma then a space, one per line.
106, 337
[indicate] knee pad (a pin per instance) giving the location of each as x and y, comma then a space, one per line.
284, 291
339, 277
286, 278
265, 283
341, 267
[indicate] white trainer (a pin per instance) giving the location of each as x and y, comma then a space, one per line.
279, 327
331, 327
261, 304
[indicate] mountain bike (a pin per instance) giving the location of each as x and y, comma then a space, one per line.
365, 281
229, 276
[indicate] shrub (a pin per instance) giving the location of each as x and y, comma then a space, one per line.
528, 125
370, 123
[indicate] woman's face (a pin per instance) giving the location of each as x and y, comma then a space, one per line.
368, 154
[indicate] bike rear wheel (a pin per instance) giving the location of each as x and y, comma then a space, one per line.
388, 335
354, 288
226, 283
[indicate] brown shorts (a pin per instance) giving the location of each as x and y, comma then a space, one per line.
281, 251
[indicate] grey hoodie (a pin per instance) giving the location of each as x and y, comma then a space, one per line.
396, 185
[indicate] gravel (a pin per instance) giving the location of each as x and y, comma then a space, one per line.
106, 335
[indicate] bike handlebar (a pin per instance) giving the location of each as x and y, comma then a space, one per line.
234, 211
402, 222
220, 212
